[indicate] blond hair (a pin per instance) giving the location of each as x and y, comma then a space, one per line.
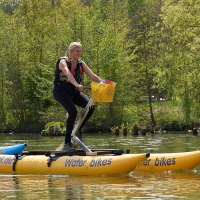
73, 46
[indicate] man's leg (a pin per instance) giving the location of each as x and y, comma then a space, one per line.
66, 101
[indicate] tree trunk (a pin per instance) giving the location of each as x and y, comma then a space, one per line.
153, 121
148, 84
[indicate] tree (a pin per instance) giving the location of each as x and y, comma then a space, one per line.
145, 49
181, 27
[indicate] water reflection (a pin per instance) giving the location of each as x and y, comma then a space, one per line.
165, 185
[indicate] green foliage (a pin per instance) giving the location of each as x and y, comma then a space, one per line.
149, 48
135, 129
53, 129
181, 61
145, 35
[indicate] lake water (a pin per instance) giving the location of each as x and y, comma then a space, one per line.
136, 185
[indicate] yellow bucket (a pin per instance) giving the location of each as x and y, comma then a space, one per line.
103, 92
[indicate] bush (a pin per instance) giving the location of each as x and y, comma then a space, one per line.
135, 129
53, 129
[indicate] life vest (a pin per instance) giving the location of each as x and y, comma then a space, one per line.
61, 79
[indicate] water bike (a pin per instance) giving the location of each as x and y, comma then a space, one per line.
83, 161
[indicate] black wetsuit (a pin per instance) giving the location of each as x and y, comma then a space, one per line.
68, 96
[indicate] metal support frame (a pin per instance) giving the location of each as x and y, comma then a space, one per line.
75, 139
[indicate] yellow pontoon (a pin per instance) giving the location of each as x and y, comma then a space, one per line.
71, 165
171, 161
